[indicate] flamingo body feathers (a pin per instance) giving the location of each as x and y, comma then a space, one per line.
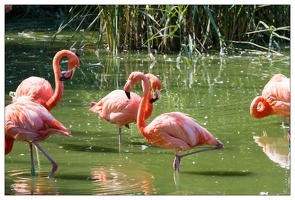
26, 120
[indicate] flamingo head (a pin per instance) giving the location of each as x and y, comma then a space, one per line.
156, 86
73, 64
156, 96
219, 145
92, 104
127, 88
259, 108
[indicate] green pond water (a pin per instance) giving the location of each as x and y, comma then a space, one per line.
216, 91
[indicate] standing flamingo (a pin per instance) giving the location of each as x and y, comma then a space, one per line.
31, 122
275, 99
40, 89
117, 109
175, 130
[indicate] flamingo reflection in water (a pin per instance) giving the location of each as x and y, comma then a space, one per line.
32, 185
276, 149
123, 179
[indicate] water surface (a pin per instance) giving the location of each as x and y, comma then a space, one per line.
216, 91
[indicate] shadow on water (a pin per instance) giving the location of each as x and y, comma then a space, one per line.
87, 148
219, 173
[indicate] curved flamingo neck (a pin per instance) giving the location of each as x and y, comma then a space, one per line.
259, 108
143, 103
59, 85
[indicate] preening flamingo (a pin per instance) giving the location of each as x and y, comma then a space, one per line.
40, 89
31, 122
275, 98
175, 130
117, 109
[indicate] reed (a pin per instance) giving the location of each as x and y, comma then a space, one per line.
171, 28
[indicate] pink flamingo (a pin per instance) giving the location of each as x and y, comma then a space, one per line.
175, 130
31, 122
40, 89
117, 109
275, 99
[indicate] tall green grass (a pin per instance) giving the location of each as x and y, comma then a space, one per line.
192, 29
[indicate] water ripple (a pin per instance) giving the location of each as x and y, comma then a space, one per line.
111, 180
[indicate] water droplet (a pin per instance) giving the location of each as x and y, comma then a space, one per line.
143, 147
263, 193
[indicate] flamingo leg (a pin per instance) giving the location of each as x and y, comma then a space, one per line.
54, 164
120, 135
283, 122
176, 163
32, 161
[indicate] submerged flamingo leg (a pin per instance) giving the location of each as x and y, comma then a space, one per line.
54, 164
176, 163
120, 135
32, 161
283, 122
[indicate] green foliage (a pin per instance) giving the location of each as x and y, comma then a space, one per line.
170, 28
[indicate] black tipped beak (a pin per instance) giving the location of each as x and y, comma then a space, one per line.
153, 100
64, 78
67, 75
128, 94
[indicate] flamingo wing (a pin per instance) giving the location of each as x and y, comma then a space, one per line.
27, 120
277, 94
117, 108
177, 131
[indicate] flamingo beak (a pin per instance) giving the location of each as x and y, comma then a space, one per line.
65, 75
156, 96
127, 94
153, 100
